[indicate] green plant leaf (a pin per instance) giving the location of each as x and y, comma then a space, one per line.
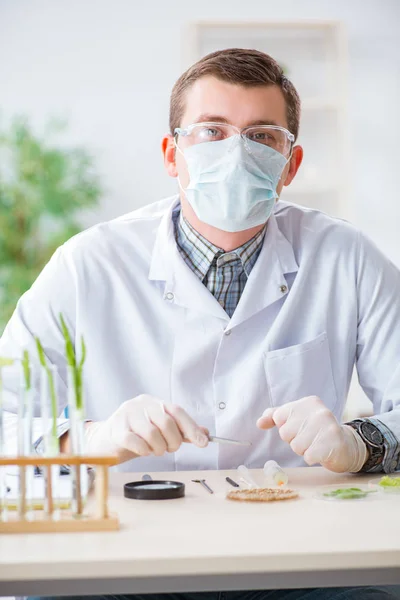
77, 368
26, 369
387, 481
44, 186
348, 493
42, 356
52, 389
6, 362
83, 354
69, 347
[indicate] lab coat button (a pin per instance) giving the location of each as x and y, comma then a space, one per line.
169, 296
221, 405
228, 331
283, 289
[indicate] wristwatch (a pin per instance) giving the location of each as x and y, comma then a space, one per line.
373, 439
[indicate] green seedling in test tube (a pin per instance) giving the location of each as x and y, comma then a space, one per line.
76, 367
25, 407
26, 369
25, 426
52, 392
4, 362
76, 414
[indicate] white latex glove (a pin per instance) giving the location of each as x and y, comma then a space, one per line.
143, 426
314, 433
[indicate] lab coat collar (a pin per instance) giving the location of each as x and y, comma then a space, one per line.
264, 286
165, 239
266, 283
168, 265
284, 249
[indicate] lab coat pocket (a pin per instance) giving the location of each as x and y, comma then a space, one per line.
302, 370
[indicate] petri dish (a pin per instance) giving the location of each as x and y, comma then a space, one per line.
345, 493
154, 490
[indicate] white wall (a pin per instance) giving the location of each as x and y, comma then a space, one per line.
109, 66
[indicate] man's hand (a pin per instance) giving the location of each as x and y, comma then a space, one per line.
143, 426
314, 433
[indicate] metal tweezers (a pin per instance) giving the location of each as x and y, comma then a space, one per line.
219, 440
204, 484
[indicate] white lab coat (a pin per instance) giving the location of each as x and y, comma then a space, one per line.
319, 298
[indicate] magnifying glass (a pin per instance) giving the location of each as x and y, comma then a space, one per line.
154, 489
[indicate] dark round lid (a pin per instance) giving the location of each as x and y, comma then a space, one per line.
154, 490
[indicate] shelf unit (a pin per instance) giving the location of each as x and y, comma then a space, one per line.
314, 56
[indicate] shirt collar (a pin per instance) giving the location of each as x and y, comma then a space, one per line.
199, 253
264, 286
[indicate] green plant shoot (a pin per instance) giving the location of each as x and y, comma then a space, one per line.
77, 368
27, 369
4, 362
348, 493
387, 481
52, 389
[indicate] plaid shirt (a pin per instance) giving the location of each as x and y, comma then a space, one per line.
223, 273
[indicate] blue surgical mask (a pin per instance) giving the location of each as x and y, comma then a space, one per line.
233, 182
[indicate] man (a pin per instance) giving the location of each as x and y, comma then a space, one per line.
220, 310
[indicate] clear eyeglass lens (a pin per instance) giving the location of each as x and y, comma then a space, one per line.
213, 132
268, 136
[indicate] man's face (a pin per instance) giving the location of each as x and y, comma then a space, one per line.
210, 99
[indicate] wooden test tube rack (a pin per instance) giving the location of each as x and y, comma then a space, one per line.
44, 521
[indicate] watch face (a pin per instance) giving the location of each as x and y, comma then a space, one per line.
372, 434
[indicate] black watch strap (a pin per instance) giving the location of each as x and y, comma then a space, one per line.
373, 439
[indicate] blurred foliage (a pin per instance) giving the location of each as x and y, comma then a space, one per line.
43, 186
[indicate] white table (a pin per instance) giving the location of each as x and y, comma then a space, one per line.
205, 542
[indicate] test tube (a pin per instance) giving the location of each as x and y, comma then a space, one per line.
49, 413
76, 412
24, 437
3, 479
274, 474
247, 477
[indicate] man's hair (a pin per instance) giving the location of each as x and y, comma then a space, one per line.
249, 68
